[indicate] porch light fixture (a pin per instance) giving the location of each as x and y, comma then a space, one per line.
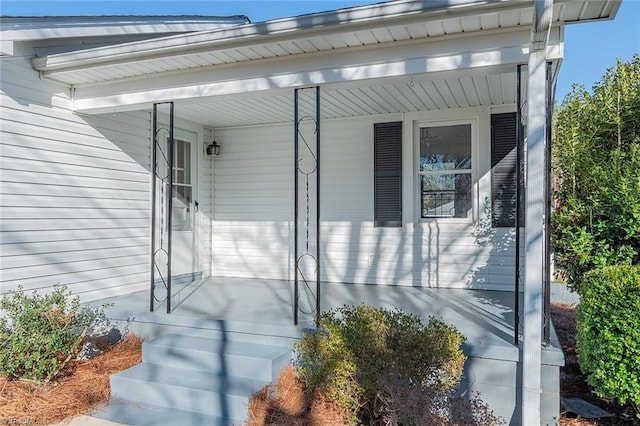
213, 149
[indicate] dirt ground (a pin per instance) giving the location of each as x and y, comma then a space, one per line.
573, 383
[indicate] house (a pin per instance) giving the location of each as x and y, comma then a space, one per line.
372, 145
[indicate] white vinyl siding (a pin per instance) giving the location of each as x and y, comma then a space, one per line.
253, 211
74, 191
253, 202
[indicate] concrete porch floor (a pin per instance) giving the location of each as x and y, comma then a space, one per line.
484, 317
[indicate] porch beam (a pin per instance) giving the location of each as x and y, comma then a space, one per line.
535, 220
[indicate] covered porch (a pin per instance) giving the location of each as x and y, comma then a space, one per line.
433, 69
473, 75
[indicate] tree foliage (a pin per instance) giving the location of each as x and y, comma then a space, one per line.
597, 174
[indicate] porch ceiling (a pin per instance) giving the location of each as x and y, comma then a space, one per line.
443, 91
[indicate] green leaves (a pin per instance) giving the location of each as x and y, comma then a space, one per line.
597, 170
608, 326
38, 333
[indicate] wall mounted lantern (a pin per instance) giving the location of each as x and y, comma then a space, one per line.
213, 149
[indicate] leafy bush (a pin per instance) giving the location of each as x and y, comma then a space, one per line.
597, 172
360, 350
608, 325
40, 333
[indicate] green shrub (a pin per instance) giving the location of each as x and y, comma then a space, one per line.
360, 350
608, 325
40, 333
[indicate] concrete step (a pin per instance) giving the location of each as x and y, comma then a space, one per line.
151, 325
225, 357
135, 414
196, 391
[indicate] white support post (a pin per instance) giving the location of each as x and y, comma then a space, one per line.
534, 230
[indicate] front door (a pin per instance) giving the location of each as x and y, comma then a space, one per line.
184, 204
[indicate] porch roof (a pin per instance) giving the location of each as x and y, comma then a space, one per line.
357, 26
391, 57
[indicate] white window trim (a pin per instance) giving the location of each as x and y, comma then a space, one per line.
417, 210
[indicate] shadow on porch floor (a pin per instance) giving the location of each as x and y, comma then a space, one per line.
484, 317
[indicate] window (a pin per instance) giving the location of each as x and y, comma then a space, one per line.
445, 171
387, 167
182, 187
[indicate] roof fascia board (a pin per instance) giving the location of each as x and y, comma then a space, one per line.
336, 22
36, 28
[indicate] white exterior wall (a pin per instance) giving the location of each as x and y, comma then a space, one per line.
253, 210
253, 202
204, 196
75, 191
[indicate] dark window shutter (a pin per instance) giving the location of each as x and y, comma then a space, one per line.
387, 168
503, 170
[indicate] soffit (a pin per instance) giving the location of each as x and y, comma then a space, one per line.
455, 90
355, 27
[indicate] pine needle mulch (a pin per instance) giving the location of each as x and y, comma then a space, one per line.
288, 403
82, 386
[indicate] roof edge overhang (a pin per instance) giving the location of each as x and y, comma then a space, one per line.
111, 29
343, 22
382, 14
32, 28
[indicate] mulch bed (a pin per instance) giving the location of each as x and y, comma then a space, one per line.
82, 386
288, 403
573, 383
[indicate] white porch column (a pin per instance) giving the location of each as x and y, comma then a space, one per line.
534, 227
